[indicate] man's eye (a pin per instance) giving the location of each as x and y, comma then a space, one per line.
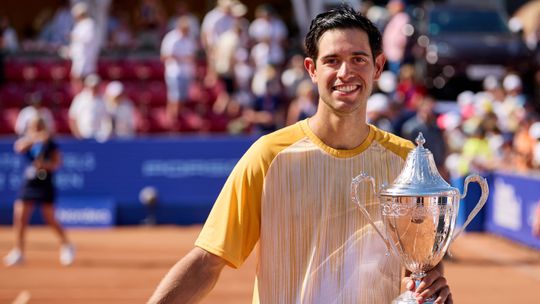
330, 61
360, 59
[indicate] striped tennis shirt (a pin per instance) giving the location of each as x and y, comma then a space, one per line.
291, 194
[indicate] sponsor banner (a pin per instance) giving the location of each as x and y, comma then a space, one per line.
511, 208
184, 171
86, 211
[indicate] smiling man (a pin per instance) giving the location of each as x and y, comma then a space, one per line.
290, 192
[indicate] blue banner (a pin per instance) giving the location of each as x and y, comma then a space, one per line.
187, 172
511, 209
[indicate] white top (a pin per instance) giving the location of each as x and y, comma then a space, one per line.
274, 29
226, 48
29, 113
208, 24
90, 115
179, 46
84, 39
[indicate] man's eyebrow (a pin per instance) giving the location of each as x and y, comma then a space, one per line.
356, 53
361, 53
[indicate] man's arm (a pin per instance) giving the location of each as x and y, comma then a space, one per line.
190, 279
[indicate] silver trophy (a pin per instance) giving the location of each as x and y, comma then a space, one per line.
418, 212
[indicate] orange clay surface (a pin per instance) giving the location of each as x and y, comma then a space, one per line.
124, 265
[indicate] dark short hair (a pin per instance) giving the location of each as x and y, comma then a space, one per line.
344, 17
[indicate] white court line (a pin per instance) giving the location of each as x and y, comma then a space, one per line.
22, 298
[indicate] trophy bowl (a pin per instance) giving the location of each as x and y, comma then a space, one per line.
419, 212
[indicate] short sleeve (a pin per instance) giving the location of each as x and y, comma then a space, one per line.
233, 226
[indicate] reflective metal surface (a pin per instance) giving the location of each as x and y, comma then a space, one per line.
419, 211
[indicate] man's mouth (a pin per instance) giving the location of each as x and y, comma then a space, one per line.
346, 88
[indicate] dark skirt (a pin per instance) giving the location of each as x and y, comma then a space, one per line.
38, 190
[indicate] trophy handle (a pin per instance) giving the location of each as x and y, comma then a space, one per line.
483, 198
362, 178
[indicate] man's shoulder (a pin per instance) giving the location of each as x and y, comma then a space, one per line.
271, 144
392, 142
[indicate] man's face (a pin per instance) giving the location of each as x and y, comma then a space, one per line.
345, 70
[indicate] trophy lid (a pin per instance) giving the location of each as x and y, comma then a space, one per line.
419, 176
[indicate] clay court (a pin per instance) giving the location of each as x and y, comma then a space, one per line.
124, 265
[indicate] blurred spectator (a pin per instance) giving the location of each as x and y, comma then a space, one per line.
304, 105
151, 23
409, 91
395, 35
378, 105
476, 156
120, 109
120, 35
493, 88
229, 47
266, 53
178, 51
88, 117
31, 112
293, 75
9, 41
425, 121
182, 9
524, 144
511, 110
216, 22
534, 133
266, 113
56, 32
513, 87
379, 15
84, 46
267, 26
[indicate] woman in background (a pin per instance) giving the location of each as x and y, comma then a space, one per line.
44, 158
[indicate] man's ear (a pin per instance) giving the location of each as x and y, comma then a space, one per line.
309, 64
380, 60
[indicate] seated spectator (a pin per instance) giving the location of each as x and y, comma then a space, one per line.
120, 109
409, 91
267, 112
31, 112
293, 75
56, 32
8, 37
120, 35
534, 133
377, 110
304, 105
425, 121
88, 116
151, 23
476, 156
524, 144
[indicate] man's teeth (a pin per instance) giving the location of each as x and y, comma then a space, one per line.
345, 88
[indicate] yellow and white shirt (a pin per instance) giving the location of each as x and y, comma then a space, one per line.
291, 193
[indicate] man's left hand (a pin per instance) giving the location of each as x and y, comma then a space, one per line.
433, 284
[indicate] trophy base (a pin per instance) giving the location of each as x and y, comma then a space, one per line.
408, 298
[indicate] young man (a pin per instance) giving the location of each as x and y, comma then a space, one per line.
290, 192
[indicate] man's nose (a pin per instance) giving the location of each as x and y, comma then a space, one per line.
344, 70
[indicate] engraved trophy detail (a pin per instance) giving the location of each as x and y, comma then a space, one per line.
418, 212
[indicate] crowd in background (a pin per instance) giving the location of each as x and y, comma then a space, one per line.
257, 82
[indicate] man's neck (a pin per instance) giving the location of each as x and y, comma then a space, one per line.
343, 133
